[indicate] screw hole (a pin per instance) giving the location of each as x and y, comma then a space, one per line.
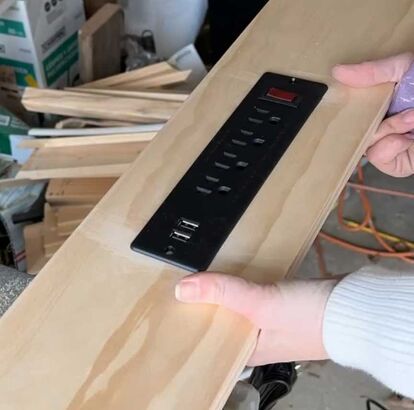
169, 250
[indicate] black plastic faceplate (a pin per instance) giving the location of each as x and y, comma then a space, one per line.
194, 221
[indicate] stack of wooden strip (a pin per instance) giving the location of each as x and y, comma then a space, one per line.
82, 157
82, 168
135, 96
68, 202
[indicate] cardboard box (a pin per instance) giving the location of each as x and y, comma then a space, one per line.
10, 126
39, 41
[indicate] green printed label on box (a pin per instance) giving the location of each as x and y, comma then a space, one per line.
61, 59
12, 28
25, 72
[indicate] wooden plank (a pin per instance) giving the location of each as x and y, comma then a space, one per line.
13, 182
108, 316
92, 140
133, 75
99, 37
66, 215
157, 81
77, 190
52, 241
66, 132
68, 229
103, 160
97, 106
35, 254
150, 95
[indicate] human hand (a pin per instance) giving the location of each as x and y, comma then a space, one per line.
289, 314
392, 148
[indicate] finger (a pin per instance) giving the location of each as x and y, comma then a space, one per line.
236, 294
401, 165
371, 73
401, 123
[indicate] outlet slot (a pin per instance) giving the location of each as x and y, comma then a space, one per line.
201, 211
247, 133
204, 191
255, 120
259, 141
240, 143
242, 164
209, 178
261, 110
229, 154
221, 165
224, 189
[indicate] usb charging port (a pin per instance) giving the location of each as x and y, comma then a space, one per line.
180, 236
187, 224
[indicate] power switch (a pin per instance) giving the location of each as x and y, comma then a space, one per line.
282, 96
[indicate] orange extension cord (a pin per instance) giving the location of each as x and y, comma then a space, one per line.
367, 224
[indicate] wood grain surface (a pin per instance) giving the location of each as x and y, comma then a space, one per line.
84, 161
98, 106
99, 328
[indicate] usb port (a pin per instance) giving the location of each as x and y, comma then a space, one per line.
187, 224
180, 236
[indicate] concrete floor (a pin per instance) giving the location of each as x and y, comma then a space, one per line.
325, 386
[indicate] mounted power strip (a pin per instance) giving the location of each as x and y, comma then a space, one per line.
192, 224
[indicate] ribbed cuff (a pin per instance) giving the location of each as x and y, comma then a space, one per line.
369, 325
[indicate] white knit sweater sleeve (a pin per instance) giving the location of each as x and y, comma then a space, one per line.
369, 325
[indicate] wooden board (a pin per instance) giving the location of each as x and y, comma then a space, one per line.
77, 190
161, 80
92, 140
150, 95
66, 215
133, 75
34, 246
102, 160
97, 106
52, 241
104, 330
99, 38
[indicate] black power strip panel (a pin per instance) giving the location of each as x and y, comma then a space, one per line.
198, 215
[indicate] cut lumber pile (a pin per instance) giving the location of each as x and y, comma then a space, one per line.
68, 203
134, 97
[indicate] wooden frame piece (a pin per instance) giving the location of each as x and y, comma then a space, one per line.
150, 95
102, 160
133, 75
100, 327
100, 37
75, 191
97, 106
87, 140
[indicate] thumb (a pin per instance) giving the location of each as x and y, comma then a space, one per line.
371, 73
231, 292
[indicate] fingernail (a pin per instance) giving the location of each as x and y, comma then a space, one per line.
408, 117
187, 290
